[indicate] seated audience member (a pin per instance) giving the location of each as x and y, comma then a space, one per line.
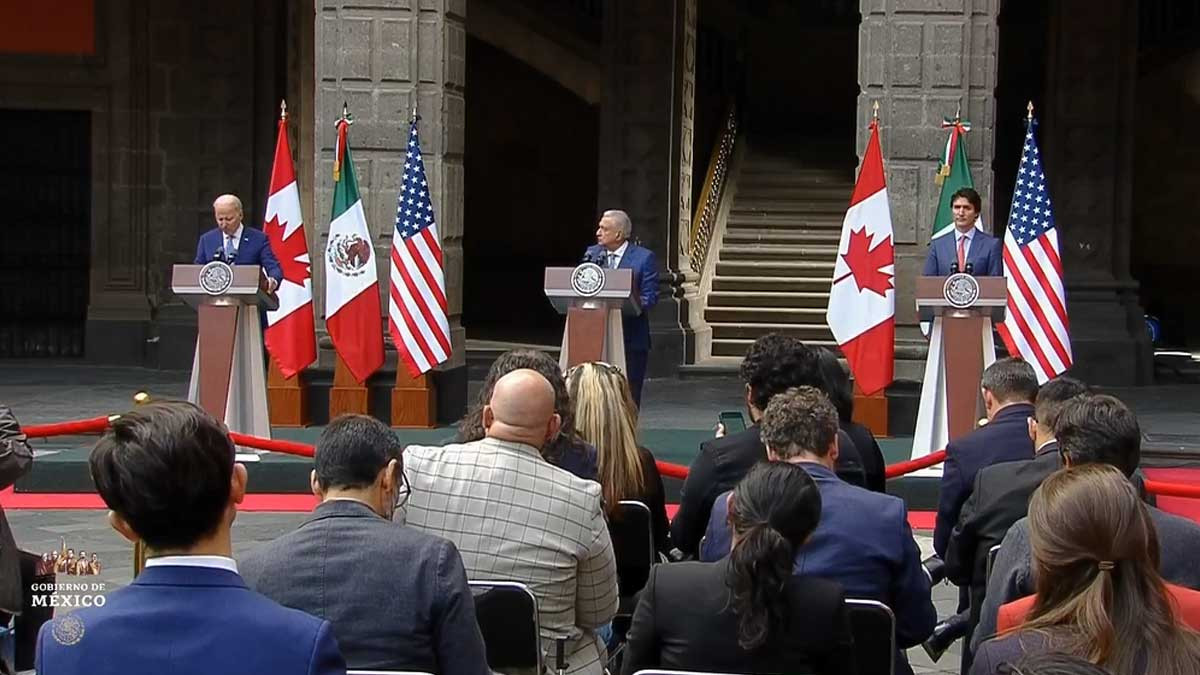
841, 394
863, 540
516, 517
1009, 388
16, 458
748, 613
773, 364
1001, 494
397, 598
1099, 595
566, 450
167, 474
1051, 663
1092, 430
607, 419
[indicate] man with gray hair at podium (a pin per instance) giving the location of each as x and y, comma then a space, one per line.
234, 243
614, 250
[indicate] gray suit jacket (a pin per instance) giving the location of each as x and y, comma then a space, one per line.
1012, 576
15, 459
397, 598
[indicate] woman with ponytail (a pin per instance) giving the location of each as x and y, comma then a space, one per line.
1098, 595
748, 613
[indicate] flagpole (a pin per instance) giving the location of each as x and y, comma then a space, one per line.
283, 109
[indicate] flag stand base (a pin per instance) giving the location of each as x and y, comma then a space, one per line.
871, 411
287, 399
413, 403
347, 395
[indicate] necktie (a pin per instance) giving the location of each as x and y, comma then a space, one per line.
612, 261
962, 253
230, 252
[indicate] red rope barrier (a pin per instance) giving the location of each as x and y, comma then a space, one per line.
901, 468
1164, 489
290, 447
93, 426
669, 470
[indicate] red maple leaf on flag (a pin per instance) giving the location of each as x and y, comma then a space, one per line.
865, 262
289, 250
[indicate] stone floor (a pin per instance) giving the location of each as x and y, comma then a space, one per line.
42, 531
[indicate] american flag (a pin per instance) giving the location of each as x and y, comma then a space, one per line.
1036, 325
417, 310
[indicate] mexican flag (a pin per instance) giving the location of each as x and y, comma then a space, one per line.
955, 173
862, 299
352, 307
291, 336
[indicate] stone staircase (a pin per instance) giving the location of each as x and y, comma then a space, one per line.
775, 259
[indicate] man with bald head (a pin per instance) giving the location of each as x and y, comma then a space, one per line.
234, 243
516, 517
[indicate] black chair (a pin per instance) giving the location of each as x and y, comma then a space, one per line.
632, 535
387, 672
991, 562
874, 629
507, 613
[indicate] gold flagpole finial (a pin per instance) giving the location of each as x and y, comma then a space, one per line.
345, 110
1029, 110
958, 112
283, 109
875, 111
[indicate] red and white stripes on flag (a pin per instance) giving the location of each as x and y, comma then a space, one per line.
1036, 326
417, 313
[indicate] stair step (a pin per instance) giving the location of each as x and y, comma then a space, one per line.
750, 176
737, 347
775, 315
784, 222
795, 236
776, 268
780, 284
769, 299
806, 332
770, 252
790, 205
813, 191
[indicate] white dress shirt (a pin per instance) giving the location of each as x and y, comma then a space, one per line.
216, 562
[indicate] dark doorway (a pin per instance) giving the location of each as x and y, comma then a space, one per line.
1023, 26
45, 232
530, 195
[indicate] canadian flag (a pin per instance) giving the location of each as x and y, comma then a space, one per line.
862, 300
291, 336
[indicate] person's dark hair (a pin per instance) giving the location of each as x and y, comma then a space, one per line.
1052, 397
775, 363
970, 195
166, 469
1010, 380
1051, 663
801, 419
1095, 560
1099, 429
774, 510
471, 426
353, 449
837, 383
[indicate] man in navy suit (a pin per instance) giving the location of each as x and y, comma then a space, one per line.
966, 245
167, 474
613, 250
236, 244
863, 540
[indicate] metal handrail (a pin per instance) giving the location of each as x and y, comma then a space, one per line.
704, 221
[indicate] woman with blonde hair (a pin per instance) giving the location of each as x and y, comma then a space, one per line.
606, 417
1098, 595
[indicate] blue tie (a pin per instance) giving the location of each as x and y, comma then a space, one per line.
230, 252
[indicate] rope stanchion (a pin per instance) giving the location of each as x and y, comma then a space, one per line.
900, 468
93, 426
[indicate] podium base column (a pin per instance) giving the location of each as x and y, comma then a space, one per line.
347, 395
414, 405
287, 399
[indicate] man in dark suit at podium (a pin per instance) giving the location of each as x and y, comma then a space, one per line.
613, 250
966, 245
236, 244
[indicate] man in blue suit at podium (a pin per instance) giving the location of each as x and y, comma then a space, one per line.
167, 474
966, 244
613, 250
232, 242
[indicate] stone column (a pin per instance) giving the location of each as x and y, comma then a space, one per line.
922, 59
381, 58
1087, 136
646, 146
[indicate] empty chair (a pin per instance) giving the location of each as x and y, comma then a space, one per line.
874, 627
508, 619
633, 546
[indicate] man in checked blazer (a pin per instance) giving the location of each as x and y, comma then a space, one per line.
516, 517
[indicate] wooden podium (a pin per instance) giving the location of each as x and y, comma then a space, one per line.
228, 373
593, 299
960, 347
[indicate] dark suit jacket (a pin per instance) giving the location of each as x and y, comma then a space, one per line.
986, 255
683, 622
397, 598
874, 467
1004, 439
723, 462
645, 278
16, 457
864, 543
187, 621
253, 249
1000, 498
